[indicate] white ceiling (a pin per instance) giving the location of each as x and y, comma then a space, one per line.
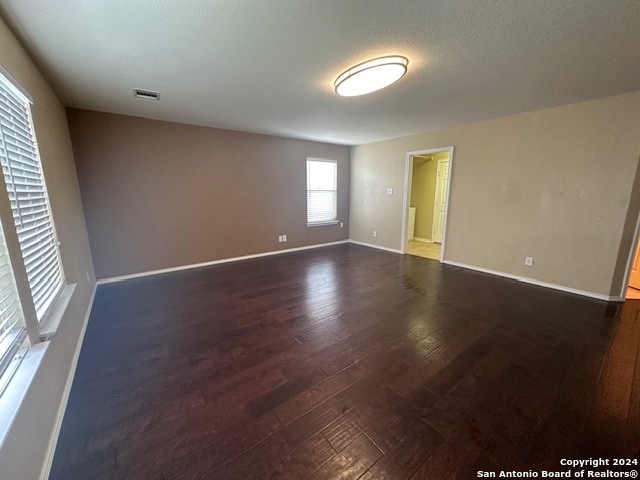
268, 66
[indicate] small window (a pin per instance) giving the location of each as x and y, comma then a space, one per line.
322, 195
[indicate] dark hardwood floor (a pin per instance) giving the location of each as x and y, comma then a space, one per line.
347, 362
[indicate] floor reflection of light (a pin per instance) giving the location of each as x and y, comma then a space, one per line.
424, 337
424, 325
322, 291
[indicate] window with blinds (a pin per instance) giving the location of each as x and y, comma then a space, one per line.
322, 195
28, 197
12, 329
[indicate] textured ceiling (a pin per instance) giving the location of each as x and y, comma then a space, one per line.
269, 66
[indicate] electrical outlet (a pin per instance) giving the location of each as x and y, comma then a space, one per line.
528, 261
279, 238
389, 191
341, 224
375, 234
284, 238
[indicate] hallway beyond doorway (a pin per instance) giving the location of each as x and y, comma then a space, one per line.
424, 249
633, 294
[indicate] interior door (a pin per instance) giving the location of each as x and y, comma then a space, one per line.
634, 281
442, 178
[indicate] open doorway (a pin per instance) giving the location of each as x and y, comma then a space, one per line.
427, 184
633, 288
631, 283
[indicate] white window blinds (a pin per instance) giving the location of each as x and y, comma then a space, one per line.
28, 197
12, 331
322, 198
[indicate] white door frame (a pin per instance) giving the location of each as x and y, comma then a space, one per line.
408, 173
634, 247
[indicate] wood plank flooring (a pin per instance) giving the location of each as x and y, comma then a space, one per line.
347, 363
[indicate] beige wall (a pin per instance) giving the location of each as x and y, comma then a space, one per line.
557, 184
423, 192
24, 451
160, 195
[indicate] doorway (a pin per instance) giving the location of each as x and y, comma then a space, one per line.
633, 289
427, 185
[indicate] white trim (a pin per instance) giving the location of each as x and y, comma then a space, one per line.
120, 278
319, 159
408, 173
13, 396
536, 282
378, 247
53, 441
52, 321
320, 224
423, 240
627, 274
15, 83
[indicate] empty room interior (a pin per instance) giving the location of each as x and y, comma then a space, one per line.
324, 240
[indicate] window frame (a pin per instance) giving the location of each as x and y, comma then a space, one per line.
34, 327
19, 206
331, 221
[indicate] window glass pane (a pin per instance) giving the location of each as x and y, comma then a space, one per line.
12, 330
322, 176
322, 196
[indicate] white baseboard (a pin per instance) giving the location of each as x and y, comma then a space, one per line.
386, 249
51, 450
120, 278
531, 281
536, 282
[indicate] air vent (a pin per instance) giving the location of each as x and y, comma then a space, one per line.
148, 94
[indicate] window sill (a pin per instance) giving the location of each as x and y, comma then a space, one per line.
16, 390
321, 224
50, 325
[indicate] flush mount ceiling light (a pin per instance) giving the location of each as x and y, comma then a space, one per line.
370, 76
